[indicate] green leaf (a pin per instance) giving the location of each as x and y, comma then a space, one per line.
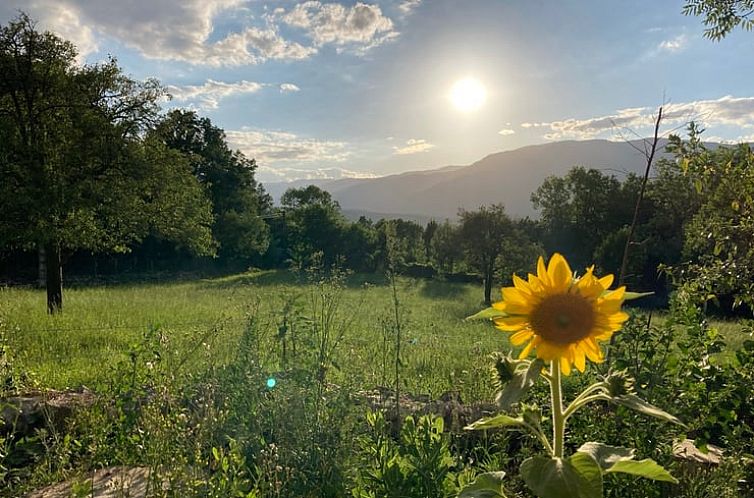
495, 422
488, 314
605, 455
644, 468
630, 296
636, 403
577, 477
523, 379
488, 485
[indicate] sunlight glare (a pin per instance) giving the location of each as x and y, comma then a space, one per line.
468, 94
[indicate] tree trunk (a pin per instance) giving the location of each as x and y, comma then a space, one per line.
488, 287
42, 268
54, 279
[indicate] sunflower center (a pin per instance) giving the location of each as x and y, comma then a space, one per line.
563, 318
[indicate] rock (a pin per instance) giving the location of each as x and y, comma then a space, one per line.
456, 415
111, 482
24, 414
686, 451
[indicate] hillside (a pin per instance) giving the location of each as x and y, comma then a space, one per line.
505, 177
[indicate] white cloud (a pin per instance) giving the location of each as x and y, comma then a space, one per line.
272, 147
413, 146
164, 29
273, 174
407, 6
361, 26
62, 19
673, 45
184, 30
289, 87
725, 111
506, 131
210, 93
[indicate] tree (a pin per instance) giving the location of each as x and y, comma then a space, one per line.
581, 209
238, 201
446, 246
314, 225
483, 233
719, 238
427, 236
722, 16
76, 169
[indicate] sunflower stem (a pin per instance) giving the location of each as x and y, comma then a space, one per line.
573, 408
558, 418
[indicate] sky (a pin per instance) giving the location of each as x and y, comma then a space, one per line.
330, 89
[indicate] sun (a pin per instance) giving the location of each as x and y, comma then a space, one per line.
468, 94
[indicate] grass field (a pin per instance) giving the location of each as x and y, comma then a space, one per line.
202, 320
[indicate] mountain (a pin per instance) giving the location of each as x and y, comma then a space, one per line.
505, 177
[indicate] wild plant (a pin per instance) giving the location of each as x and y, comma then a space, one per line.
562, 318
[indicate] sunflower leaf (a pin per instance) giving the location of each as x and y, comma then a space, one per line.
523, 379
606, 455
636, 403
576, 477
500, 420
487, 485
488, 314
630, 296
647, 468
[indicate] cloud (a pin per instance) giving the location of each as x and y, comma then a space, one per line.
289, 87
413, 146
268, 174
673, 45
725, 111
62, 19
210, 93
166, 29
272, 147
507, 131
185, 30
361, 26
407, 6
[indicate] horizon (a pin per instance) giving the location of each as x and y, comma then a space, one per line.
357, 90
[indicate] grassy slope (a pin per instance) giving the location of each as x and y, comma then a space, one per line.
203, 320
100, 324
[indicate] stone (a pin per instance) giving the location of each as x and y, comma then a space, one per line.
110, 482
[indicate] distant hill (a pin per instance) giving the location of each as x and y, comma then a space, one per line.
505, 177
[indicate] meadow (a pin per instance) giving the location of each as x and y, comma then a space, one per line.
242, 369
203, 320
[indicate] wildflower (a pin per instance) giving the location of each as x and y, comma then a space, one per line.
560, 317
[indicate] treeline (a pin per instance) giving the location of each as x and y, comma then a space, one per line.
95, 178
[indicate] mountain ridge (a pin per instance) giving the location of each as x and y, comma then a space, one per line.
507, 177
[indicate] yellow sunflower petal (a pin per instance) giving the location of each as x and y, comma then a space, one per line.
542, 275
511, 295
606, 281
521, 337
559, 272
525, 352
578, 359
522, 285
589, 287
565, 365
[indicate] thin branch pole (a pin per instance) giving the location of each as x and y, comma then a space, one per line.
650, 158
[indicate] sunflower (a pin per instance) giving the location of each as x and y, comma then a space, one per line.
561, 317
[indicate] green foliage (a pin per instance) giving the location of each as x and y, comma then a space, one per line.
420, 464
721, 17
76, 167
580, 210
718, 239
238, 201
